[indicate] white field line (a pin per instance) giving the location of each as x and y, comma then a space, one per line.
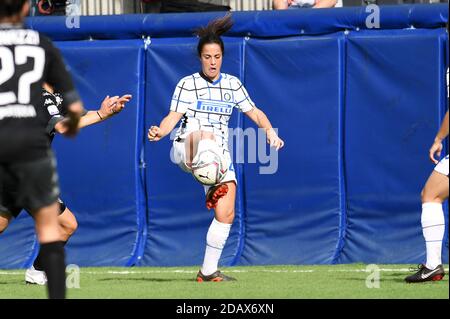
181, 271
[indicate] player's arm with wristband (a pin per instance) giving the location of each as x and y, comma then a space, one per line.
109, 107
260, 119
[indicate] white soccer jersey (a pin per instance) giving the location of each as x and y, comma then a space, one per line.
208, 105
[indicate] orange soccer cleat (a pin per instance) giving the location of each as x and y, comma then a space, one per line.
214, 194
215, 277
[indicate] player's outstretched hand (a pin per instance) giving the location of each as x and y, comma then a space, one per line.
435, 149
107, 105
274, 140
154, 134
113, 105
120, 104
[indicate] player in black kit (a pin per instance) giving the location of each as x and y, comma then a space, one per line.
28, 59
51, 114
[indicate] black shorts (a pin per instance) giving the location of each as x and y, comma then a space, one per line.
28, 185
15, 211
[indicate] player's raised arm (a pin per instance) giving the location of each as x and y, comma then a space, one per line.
260, 119
155, 133
109, 107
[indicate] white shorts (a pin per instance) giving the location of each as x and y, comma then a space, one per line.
442, 166
179, 157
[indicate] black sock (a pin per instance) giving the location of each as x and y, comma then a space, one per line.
37, 262
52, 262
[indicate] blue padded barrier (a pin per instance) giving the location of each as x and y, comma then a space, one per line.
99, 171
178, 218
283, 209
388, 133
357, 108
256, 24
18, 243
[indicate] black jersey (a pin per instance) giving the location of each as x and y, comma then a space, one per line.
27, 60
50, 112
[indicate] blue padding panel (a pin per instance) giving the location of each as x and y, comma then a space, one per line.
178, 218
293, 215
256, 23
357, 110
17, 243
391, 117
425, 16
98, 169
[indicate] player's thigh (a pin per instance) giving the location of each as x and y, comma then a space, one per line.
224, 211
178, 156
436, 188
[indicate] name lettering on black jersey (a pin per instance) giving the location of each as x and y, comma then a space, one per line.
27, 61
17, 111
19, 37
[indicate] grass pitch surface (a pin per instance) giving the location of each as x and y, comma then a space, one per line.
256, 282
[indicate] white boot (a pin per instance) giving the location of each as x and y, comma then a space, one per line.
37, 277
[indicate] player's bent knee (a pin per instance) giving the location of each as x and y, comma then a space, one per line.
428, 196
226, 216
70, 227
73, 227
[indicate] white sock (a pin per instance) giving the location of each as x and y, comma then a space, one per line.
215, 241
433, 227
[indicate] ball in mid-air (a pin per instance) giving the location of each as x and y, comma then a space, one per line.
209, 167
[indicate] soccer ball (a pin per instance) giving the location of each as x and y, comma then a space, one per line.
209, 167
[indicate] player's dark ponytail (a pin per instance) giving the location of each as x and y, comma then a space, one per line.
9, 8
212, 32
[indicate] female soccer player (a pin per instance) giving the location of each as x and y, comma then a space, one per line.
28, 59
204, 101
51, 115
434, 194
